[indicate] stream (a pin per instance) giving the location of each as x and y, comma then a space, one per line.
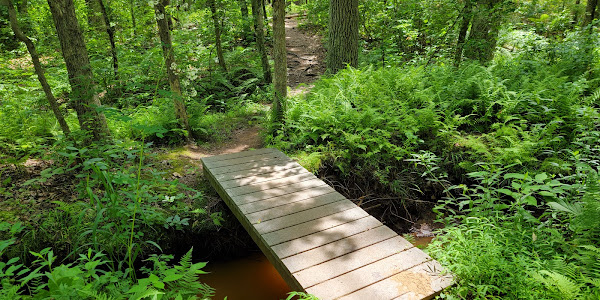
254, 278
249, 278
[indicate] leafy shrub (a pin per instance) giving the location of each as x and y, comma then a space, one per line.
89, 277
516, 247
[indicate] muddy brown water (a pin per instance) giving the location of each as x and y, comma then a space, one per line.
254, 277
249, 278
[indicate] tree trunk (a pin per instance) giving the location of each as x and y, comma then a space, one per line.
590, 12
39, 71
217, 25
343, 35
132, 13
259, 23
93, 18
462, 33
110, 30
245, 19
81, 78
280, 56
162, 20
23, 7
484, 31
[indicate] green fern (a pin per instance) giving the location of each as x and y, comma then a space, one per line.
561, 286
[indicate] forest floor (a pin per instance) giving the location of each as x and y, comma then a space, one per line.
305, 56
306, 63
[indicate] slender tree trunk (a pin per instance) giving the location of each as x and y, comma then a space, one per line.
162, 20
343, 35
280, 56
484, 31
217, 25
462, 33
81, 78
35, 58
245, 19
259, 23
132, 13
264, 7
590, 12
110, 30
93, 19
576, 13
23, 7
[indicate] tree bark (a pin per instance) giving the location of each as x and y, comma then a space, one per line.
93, 19
217, 25
245, 24
162, 21
590, 12
259, 23
23, 7
343, 35
81, 78
110, 30
280, 56
39, 71
462, 33
485, 26
132, 13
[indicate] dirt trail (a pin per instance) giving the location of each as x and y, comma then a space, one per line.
305, 58
305, 55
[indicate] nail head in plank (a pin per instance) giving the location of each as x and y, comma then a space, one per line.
295, 207
301, 196
336, 249
310, 227
267, 185
280, 191
263, 177
304, 216
250, 165
257, 171
351, 261
325, 237
238, 154
424, 281
247, 159
370, 274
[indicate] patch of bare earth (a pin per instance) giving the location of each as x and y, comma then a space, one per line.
305, 57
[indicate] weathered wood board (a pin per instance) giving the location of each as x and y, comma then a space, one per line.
319, 241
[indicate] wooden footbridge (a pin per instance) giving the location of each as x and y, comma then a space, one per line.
319, 241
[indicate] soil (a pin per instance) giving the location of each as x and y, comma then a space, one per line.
305, 56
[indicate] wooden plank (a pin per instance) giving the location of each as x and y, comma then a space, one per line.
250, 165
277, 202
280, 191
336, 249
300, 230
210, 159
355, 280
257, 171
257, 238
331, 209
319, 241
421, 282
324, 237
246, 159
351, 261
267, 185
293, 207
262, 177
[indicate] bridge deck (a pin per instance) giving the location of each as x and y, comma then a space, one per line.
319, 241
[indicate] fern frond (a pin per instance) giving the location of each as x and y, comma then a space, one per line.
560, 284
